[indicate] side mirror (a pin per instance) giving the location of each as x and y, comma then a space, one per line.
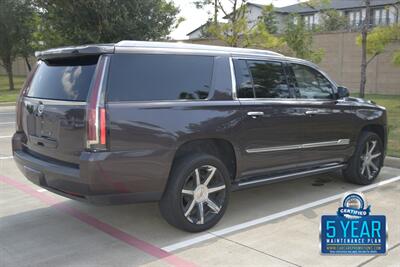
342, 92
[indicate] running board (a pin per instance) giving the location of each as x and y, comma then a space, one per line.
283, 177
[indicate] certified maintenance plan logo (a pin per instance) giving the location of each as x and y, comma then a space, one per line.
353, 231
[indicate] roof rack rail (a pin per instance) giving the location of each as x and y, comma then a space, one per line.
199, 47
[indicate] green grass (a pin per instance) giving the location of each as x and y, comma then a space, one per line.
392, 104
5, 94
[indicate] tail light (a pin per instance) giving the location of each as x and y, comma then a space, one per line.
96, 115
24, 92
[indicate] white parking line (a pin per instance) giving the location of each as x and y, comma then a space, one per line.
238, 227
10, 122
6, 136
8, 157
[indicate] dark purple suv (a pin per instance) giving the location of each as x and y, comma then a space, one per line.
187, 124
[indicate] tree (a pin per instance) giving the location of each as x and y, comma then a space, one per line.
299, 39
202, 3
332, 20
228, 32
237, 31
237, 23
16, 32
260, 37
99, 21
379, 38
269, 19
364, 36
317, 4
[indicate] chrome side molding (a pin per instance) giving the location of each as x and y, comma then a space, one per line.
339, 142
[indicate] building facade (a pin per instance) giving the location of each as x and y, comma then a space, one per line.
383, 12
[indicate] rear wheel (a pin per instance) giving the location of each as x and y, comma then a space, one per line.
197, 193
367, 160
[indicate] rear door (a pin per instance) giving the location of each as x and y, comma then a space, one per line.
269, 137
53, 111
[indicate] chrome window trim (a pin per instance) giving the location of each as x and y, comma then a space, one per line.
55, 101
339, 142
233, 77
260, 58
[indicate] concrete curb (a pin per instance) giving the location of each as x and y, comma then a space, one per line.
392, 162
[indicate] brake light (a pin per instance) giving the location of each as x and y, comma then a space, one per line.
102, 126
22, 93
96, 124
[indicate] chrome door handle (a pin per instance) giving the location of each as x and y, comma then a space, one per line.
255, 114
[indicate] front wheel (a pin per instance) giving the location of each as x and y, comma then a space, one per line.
367, 161
197, 193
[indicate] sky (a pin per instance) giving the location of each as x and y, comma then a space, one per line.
196, 17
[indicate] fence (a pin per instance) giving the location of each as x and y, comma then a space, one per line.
342, 62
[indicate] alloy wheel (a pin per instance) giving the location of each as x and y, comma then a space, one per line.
203, 194
370, 159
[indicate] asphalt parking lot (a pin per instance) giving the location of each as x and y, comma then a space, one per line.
275, 225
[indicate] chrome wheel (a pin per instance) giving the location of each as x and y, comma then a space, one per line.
203, 194
370, 159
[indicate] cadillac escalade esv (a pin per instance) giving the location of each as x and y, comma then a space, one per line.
187, 124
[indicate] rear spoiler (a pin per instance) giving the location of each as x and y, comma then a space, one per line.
75, 51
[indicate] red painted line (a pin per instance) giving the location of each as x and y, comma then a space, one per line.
99, 225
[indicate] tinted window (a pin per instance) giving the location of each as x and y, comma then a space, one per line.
63, 80
311, 84
159, 77
243, 80
269, 79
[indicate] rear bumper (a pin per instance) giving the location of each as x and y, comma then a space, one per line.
84, 182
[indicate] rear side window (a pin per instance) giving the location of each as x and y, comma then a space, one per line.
243, 80
63, 79
261, 79
269, 79
159, 77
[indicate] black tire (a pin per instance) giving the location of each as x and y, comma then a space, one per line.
174, 203
356, 172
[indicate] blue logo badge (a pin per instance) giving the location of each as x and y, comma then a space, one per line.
353, 230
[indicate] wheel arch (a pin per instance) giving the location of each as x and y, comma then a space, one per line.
377, 129
218, 147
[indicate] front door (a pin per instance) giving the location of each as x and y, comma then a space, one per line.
327, 126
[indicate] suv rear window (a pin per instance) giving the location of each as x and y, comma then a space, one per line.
67, 79
147, 77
